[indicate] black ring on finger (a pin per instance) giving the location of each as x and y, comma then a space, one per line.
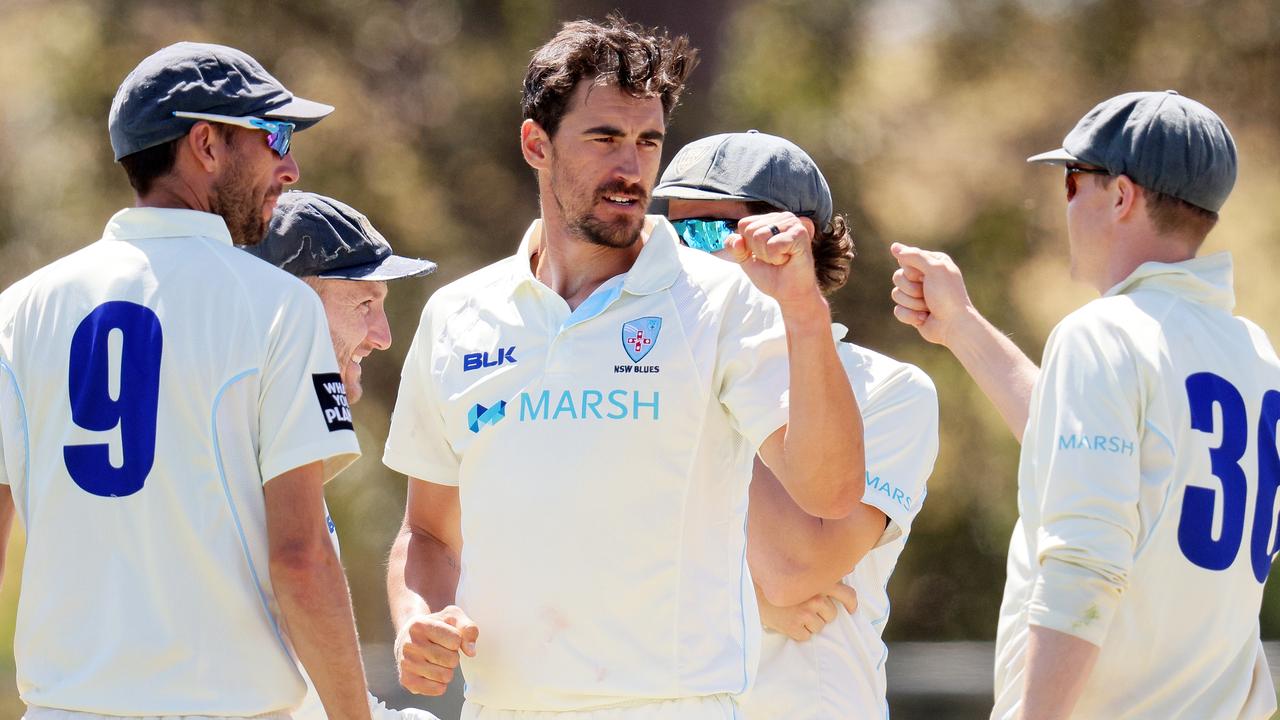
773, 230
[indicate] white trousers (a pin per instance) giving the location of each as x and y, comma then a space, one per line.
43, 713
710, 707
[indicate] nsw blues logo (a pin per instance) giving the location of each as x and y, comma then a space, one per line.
481, 415
639, 336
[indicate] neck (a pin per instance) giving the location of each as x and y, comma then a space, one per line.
174, 192
572, 266
1142, 247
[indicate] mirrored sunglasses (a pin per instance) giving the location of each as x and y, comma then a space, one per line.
279, 132
705, 234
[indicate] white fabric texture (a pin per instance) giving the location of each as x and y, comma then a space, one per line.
155, 598
604, 500
1139, 471
839, 672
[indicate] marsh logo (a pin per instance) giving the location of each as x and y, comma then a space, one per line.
639, 336
481, 415
1113, 444
884, 487
590, 405
332, 395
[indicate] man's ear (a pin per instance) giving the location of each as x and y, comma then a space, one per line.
206, 145
1126, 198
535, 143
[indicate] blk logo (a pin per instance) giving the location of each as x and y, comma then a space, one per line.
481, 415
475, 361
639, 336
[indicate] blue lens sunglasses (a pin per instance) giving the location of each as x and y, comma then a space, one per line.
279, 132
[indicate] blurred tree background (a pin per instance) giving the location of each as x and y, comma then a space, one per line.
920, 113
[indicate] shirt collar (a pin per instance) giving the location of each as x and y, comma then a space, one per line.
655, 269
1205, 279
141, 223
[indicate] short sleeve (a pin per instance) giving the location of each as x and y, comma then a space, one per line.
11, 420
1087, 476
900, 426
417, 444
753, 376
303, 412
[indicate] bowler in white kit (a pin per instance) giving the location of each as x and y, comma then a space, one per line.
585, 413
170, 408
1149, 469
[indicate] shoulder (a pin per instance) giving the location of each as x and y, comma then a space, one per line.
491, 282
1115, 324
883, 381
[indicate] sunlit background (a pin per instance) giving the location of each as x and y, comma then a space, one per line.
919, 112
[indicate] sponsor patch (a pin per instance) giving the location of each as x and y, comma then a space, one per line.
332, 395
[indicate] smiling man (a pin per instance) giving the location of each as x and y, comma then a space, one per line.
337, 251
585, 414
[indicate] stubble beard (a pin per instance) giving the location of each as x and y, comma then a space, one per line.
619, 235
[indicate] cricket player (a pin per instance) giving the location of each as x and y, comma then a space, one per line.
1149, 467
822, 654
170, 409
585, 414
340, 255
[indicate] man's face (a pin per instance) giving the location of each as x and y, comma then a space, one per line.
1087, 225
716, 210
604, 162
245, 192
357, 324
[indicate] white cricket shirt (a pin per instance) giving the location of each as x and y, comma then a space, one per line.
149, 384
839, 672
1147, 492
602, 458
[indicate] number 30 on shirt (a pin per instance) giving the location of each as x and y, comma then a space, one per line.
131, 405
1195, 527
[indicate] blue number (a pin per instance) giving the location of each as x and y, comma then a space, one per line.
1195, 530
1261, 549
133, 410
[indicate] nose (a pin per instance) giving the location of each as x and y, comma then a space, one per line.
379, 334
628, 167
287, 171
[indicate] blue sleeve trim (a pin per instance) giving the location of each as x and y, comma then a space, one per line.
235, 515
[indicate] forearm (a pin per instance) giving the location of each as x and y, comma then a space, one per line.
1058, 665
316, 607
422, 576
793, 555
823, 461
1001, 370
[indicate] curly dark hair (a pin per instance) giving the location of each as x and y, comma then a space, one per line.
642, 62
832, 248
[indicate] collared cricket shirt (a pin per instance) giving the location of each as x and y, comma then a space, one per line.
602, 458
150, 384
1147, 494
839, 672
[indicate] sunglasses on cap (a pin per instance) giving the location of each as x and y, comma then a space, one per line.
1071, 180
279, 132
705, 234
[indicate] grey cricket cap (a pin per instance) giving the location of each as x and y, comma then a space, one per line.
1162, 141
314, 235
203, 78
749, 166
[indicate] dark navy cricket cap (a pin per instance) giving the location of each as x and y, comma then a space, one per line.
749, 166
203, 78
1162, 141
313, 235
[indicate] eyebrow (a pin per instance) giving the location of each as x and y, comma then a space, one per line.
611, 131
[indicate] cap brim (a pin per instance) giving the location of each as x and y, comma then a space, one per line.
682, 192
300, 111
1054, 157
392, 267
